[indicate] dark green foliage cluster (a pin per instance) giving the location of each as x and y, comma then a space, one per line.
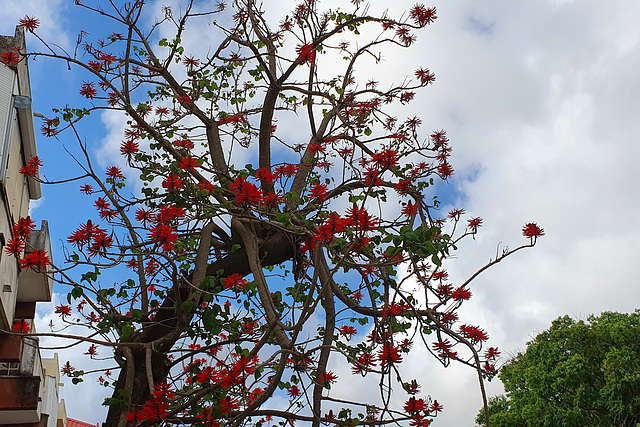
575, 374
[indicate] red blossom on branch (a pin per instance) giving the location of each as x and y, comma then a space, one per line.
306, 53
532, 230
29, 23
10, 58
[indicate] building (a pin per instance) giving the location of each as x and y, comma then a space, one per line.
29, 384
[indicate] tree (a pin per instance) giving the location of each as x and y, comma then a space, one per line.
575, 374
222, 268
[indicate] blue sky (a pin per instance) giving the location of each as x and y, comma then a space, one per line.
540, 100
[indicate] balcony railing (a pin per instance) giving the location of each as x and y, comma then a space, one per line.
20, 380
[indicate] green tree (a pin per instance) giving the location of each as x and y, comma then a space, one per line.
575, 374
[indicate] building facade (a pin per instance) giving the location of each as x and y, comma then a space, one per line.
29, 384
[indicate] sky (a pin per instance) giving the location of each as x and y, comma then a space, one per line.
540, 100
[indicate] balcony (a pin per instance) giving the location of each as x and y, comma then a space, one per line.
21, 376
32, 285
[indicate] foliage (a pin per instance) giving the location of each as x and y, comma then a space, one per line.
222, 269
575, 374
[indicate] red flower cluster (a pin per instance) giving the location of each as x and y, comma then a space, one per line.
93, 235
444, 349
63, 310
425, 76
129, 148
473, 333
32, 166
235, 281
532, 230
29, 23
306, 53
10, 57
17, 244
246, 193
461, 294
395, 309
423, 16
389, 355
88, 90
164, 235
386, 159
173, 183
236, 118
21, 326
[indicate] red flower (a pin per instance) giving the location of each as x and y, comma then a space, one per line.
227, 405
10, 58
410, 209
129, 148
265, 175
37, 258
67, 368
444, 290
154, 410
273, 199
23, 228
386, 159
306, 53
114, 172
151, 267
236, 118
473, 333
107, 58
426, 77
318, 191
287, 170
492, 353
532, 230
365, 362
189, 164
21, 326
191, 62
436, 407
445, 170
474, 223
422, 16
86, 233
235, 281
403, 187
206, 185
414, 405
86, 189
389, 355
327, 378
92, 351
88, 90
95, 66
173, 183
29, 23
294, 391
15, 247
163, 235
184, 100
461, 294
394, 309
347, 331
360, 219
63, 310
246, 193
184, 143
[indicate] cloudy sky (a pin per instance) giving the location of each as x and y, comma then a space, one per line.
541, 102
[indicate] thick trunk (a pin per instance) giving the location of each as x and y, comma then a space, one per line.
164, 330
